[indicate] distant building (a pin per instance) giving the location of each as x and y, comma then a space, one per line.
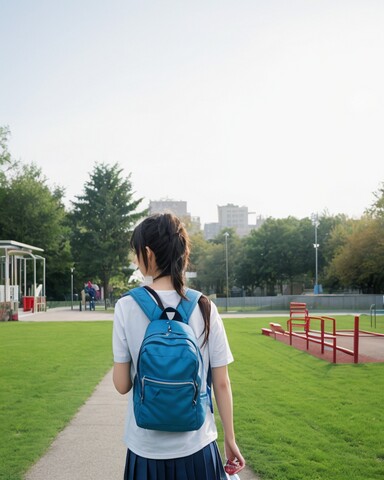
235, 217
178, 208
211, 230
231, 216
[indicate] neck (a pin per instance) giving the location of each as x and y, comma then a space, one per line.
162, 283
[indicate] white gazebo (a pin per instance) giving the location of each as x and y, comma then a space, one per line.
15, 258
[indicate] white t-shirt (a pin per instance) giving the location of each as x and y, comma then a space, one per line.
129, 328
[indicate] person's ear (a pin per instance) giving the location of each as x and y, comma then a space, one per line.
149, 253
151, 258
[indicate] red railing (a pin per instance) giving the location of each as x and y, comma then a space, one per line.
323, 337
356, 339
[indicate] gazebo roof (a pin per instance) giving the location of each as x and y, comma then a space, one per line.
11, 244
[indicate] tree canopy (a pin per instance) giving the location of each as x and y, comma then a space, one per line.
33, 213
102, 220
209, 260
377, 208
360, 262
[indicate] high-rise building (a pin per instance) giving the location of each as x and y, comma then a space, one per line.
230, 216
235, 217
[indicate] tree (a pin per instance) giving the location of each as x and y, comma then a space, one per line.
208, 260
359, 262
102, 220
377, 209
280, 253
33, 213
250, 269
356, 253
334, 243
276, 254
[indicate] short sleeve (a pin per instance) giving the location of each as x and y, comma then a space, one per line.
219, 350
121, 352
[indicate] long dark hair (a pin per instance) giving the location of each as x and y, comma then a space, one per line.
166, 236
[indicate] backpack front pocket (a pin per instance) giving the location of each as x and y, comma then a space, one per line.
168, 406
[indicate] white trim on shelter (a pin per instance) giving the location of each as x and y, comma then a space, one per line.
13, 274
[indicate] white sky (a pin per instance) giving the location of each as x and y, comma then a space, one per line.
276, 105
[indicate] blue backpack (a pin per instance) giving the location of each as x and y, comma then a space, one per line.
170, 391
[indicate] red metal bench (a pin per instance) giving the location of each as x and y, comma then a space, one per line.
298, 317
298, 310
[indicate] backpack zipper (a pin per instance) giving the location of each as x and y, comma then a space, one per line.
160, 382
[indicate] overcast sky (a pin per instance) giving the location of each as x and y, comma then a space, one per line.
276, 105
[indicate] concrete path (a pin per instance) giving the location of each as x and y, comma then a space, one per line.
91, 446
65, 314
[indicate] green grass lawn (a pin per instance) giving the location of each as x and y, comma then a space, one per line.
297, 417
47, 371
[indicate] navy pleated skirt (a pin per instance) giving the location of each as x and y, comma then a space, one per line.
206, 464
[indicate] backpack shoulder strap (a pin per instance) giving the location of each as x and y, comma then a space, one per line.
155, 295
186, 307
143, 298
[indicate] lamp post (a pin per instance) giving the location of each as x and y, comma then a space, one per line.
226, 235
72, 270
315, 223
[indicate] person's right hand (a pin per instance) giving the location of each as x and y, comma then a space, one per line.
232, 453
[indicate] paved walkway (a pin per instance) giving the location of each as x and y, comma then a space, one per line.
65, 314
91, 446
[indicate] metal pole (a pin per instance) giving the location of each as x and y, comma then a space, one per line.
72, 269
25, 277
226, 235
7, 284
44, 274
315, 223
34, 285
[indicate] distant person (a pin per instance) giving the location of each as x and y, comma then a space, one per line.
97, 290
90, 290
161, 246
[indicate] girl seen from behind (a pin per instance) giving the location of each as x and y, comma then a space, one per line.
161, 246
